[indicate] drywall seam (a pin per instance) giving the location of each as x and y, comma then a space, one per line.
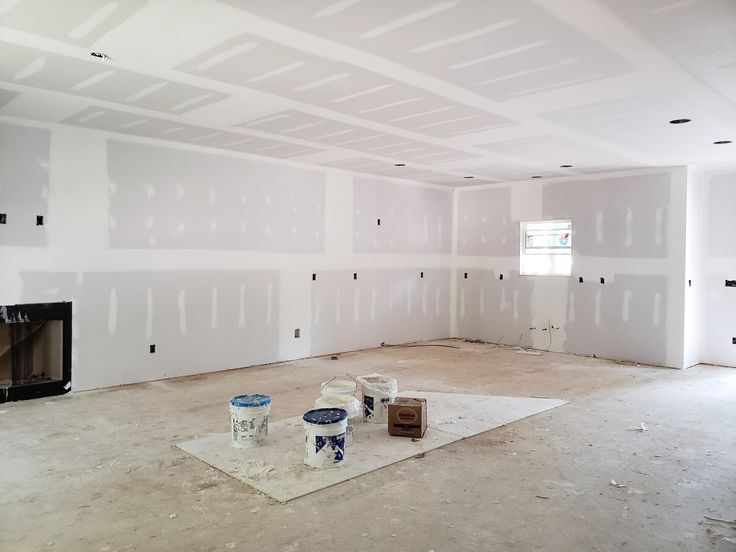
569, 178
454, 331
211, 150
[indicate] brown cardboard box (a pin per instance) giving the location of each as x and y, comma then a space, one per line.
407, 417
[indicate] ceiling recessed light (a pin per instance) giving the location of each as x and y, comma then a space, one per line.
718, 142
565, 166
468, 177
679, 121
537, 176
399, 164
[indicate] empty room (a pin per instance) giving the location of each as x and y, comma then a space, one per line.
316, 275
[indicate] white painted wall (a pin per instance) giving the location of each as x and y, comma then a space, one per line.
147, 249
629, 228
719, 264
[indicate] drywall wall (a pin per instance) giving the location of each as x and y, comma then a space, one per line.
718, 265
694, 286
400, 220
361, 309
166, 198
24, 184
629, 230
216, 259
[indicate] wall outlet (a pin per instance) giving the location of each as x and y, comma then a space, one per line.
730, 283
3, 218
297, 333
152, 348
733, 340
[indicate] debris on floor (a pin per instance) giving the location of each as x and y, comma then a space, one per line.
613, 483
520, 351
720, 529
641, 428
256, 469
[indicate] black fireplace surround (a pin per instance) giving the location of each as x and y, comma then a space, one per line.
35, 350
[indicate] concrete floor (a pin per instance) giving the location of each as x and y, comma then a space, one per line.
98, 470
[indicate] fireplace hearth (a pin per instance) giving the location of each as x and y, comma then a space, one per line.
35, 350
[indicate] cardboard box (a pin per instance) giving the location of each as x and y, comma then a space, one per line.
407, 417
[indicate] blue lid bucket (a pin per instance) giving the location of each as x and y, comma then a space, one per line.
325, 416
249, 419
250, 401
325, 431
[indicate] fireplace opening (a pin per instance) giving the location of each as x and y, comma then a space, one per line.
35, 350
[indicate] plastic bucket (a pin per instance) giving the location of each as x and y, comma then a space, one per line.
249, 419
348, 403
378, 391
325, 430
339, 385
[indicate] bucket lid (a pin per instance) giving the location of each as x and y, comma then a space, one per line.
344, 402
337, 386
325, 416
250, 400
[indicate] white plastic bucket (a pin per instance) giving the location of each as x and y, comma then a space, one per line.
249, 419
339, 385
378, 391
325, 430
348, 403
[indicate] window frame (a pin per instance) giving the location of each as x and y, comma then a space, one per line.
550, 252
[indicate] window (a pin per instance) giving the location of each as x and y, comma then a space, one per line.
546, 247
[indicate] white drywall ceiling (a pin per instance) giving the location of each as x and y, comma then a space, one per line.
490, 89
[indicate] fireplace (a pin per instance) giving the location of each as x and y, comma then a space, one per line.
35, 350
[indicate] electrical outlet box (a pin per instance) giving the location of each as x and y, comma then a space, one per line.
730, 283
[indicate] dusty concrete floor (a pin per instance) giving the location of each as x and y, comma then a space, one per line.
98, 470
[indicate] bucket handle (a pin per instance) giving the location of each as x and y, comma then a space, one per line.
335, 377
